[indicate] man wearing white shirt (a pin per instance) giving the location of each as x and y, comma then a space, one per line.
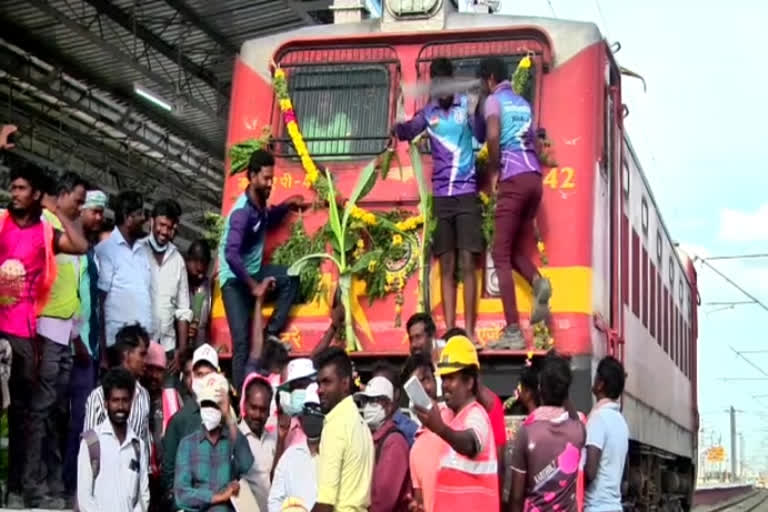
607, 440
296, 471
112, 469
171, 313
257, 394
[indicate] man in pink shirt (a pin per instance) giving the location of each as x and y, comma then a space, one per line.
28, 245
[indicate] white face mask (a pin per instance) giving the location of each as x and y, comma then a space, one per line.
156, 246
374, 415
211, 418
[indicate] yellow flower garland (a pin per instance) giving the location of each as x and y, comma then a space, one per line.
286, 107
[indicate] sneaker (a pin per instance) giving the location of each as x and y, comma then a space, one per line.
52, 503
511, 339
14, 501
542, 292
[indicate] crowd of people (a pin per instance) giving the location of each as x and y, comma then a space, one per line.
117, 402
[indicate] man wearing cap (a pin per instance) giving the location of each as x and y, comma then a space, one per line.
299, 374
391, 482
212, 459
256, 400
296, 472
467, 475
205, 361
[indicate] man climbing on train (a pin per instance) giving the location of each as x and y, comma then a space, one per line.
457, 206
515, 174
240, 261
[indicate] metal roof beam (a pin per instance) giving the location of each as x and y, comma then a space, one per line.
118, 54
193, 17
171, 52
21, 38
53, 82
146, 173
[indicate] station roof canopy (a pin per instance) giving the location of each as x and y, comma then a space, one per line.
133, 93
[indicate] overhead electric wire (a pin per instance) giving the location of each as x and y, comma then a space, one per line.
747, 360
554, 14
736, 257
733, 283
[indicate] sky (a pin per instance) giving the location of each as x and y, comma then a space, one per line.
699, 131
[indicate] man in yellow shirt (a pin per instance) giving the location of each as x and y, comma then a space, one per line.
345, 463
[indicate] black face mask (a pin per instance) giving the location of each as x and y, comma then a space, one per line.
312, 425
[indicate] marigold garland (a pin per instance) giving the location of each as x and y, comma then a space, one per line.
312, 178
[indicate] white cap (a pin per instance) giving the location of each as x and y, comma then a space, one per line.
311, 396
206, 353
301, 368
377, 387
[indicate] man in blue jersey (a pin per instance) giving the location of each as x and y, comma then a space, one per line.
241, 251
454, 185
515, 175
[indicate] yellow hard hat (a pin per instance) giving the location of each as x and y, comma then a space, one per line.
459, 353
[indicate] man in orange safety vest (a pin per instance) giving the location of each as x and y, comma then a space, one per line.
467, 475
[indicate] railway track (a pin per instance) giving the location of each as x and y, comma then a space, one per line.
749, 503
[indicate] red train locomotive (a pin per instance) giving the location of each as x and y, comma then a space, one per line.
620, 285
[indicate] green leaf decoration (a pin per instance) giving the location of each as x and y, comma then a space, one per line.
365, 260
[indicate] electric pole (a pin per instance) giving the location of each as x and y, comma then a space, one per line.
733, 444
741, 456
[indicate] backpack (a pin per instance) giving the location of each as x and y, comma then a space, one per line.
91, 439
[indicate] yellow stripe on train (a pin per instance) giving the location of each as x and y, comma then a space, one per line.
571, 293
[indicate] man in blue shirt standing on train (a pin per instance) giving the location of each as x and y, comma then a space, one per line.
454, 185
241, 269
515, 174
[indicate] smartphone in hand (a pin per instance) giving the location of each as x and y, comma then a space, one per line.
416, 393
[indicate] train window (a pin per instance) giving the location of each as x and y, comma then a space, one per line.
687, 352
680, 288
344, 109
671, 273
644, 278
609, 134
644, 215
665, 322
659, 247
625, 179
660, 308
652, 298
635, 273
468, 66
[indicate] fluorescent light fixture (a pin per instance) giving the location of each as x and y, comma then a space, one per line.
152, 98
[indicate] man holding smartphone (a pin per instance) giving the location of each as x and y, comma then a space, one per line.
467, 475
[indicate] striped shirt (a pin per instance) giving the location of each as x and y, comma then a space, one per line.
138, 419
